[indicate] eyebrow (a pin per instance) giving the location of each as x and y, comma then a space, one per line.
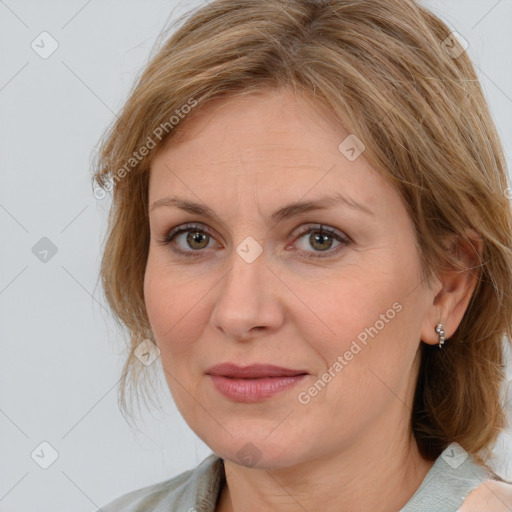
287, 211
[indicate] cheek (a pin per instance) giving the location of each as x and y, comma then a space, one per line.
366, 322
176, 308
354, 308
363, 361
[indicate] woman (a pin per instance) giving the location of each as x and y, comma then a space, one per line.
310, 226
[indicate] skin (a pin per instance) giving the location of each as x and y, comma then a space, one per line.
491, 496
246, 157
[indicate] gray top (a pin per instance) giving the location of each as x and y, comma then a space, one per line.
452, 477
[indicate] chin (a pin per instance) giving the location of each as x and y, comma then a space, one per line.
253, 452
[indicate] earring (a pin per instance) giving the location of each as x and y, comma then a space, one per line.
440, 331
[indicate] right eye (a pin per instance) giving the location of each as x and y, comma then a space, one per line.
188, 239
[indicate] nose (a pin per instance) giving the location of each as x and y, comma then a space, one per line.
247, 302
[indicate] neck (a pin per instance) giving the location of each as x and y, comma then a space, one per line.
380, 470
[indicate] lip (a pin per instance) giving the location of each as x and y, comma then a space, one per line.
253, 383
254, 371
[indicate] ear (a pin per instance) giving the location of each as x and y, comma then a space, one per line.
457, 286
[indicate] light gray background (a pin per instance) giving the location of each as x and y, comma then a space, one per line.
60, 352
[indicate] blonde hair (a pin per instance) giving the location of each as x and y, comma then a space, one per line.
386, 71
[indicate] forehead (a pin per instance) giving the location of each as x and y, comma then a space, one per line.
272, 141
264, 114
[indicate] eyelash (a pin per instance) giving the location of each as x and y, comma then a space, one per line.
185, 228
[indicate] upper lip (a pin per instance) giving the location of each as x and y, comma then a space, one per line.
253, 371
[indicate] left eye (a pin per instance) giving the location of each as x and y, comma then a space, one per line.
321, 239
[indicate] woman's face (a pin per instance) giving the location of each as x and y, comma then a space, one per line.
257, 283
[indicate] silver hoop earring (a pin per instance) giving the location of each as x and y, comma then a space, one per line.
440, 331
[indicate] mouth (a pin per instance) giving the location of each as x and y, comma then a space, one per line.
253, 383
254, 371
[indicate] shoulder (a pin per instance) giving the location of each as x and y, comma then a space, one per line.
490, 496
177, 492
150, 495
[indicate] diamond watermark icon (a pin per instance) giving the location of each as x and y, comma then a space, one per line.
455, 45
44, 455
352, 147
44, 45
44, 250
249, 249
249, 455
147, 352
455, 455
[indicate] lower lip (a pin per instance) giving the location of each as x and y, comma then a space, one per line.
253, 390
